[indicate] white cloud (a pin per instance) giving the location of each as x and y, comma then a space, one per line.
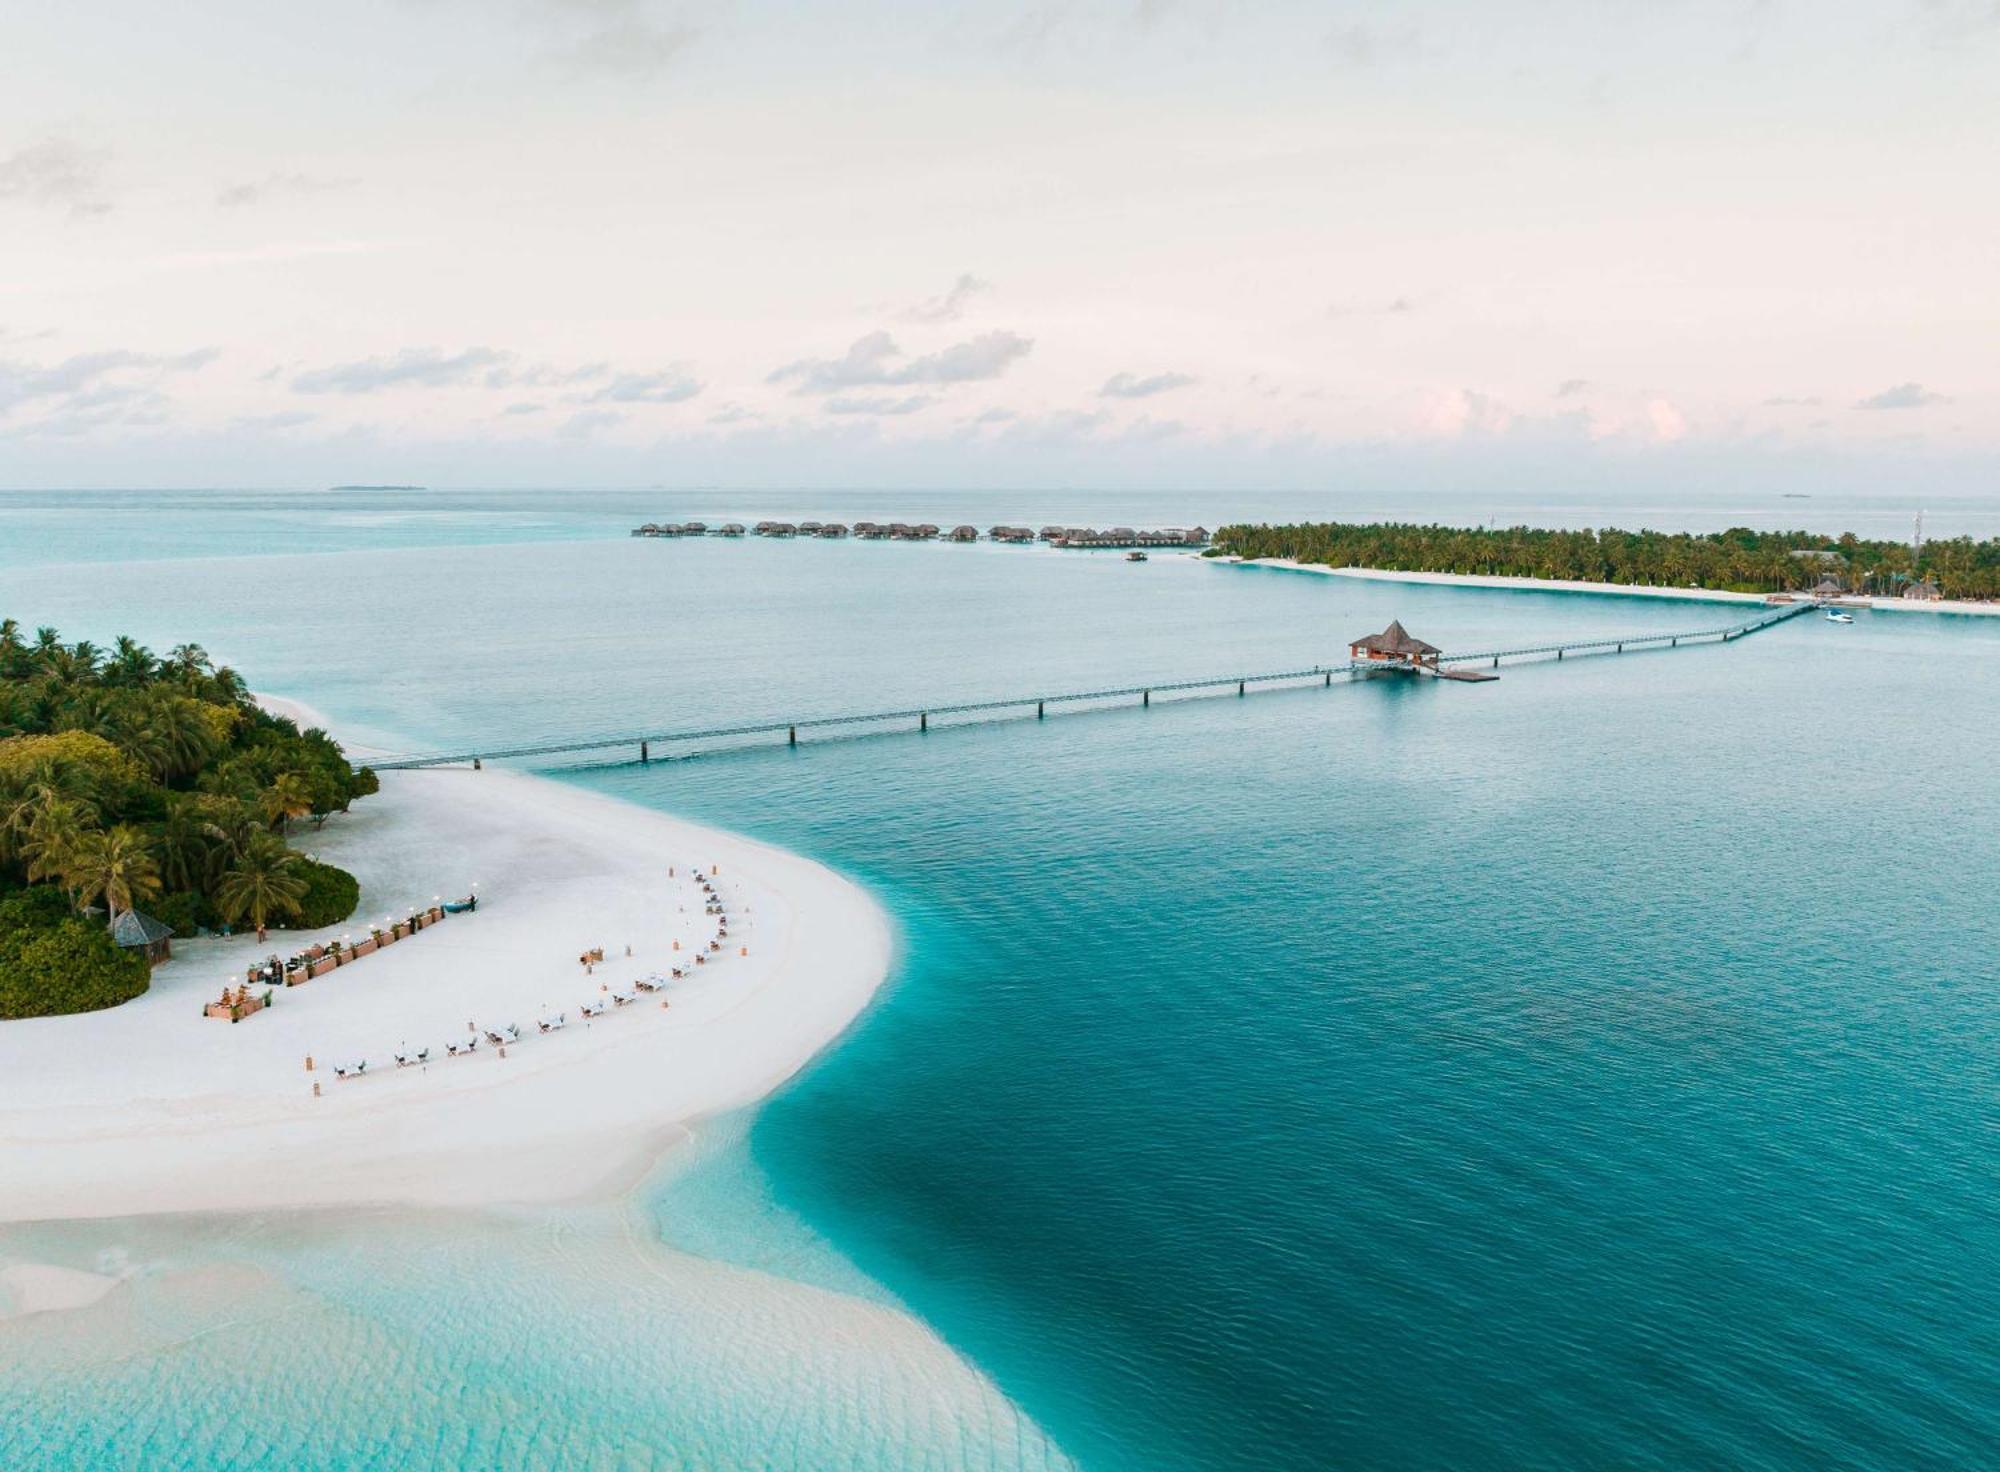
57, 174
951, 305
1131, 386
876, 361
671, 386
427, 367
1902, 396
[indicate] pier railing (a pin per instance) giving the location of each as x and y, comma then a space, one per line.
919, 718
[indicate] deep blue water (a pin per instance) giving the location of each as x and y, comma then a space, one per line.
1593, 1068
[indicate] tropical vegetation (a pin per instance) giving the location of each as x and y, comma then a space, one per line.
134, 782
1740, 559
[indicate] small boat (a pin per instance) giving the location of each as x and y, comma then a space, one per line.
1135, 557
458, 907
1833, 617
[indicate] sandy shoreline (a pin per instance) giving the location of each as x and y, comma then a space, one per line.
150, 1107
1608, 590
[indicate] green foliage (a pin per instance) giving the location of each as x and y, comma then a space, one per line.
53, 962
331, 894
131, 780
1738, 559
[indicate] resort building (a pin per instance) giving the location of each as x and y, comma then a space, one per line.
1923, 592
964, 534
1394, 645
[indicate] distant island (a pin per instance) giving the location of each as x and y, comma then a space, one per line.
144, 799
1738, 560
377, 488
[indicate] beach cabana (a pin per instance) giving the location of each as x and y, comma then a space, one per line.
1828, 587
1395, 645
1923, 592
140, 932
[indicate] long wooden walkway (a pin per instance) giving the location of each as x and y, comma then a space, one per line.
664, 742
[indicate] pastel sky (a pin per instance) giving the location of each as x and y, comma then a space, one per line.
1142, 242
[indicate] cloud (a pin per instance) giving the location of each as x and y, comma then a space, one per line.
57, 174
671, 386
1569, 388
427, 367
879, 404
93, 391
1131, 386
732, 414
1666, 419
1902, 396
1784, 403
89, 379
276, 186
949, 307
515, 411
619, 39
543, 375
872, 362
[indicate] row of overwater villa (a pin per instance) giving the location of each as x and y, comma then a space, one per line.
925, 531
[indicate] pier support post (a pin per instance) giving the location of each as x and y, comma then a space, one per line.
1621, 648
792, 736
1559, 655
1329, 679
643, 757
1239, 687
1496, 661
924, 721
1675, 643
1039, 712
1146, 697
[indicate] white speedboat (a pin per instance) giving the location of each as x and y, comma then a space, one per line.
1835, 617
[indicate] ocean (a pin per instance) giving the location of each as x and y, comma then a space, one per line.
1592, 1068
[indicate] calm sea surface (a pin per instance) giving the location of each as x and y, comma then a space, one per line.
1594, 1068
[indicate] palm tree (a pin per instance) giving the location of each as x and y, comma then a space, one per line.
189, 661
287, 797
262, 885
131, 663
179, 731
186, 842
116, 867
54, 834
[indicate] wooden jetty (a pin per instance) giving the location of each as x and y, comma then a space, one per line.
1456, 667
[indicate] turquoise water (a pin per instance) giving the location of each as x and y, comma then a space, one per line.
1596, 1067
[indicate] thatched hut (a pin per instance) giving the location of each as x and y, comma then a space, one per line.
964, 534
1925, 591
1395, 645
135, 931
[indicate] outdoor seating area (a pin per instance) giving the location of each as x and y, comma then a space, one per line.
498, 1038
317, 960
237, 1003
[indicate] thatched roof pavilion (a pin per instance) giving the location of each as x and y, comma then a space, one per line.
1394, 643
140, 932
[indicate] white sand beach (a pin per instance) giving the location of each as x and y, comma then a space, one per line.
152, 1107
1609, 590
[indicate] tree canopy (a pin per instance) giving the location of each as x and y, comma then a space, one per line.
129, 780
1739, 559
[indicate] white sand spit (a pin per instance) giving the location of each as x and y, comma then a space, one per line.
151, 1107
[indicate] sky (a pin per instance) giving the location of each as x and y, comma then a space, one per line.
1150, 242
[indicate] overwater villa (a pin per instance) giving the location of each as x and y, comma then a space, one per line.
964, 534
834, 529
809, 528
730, 529
1395, 646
